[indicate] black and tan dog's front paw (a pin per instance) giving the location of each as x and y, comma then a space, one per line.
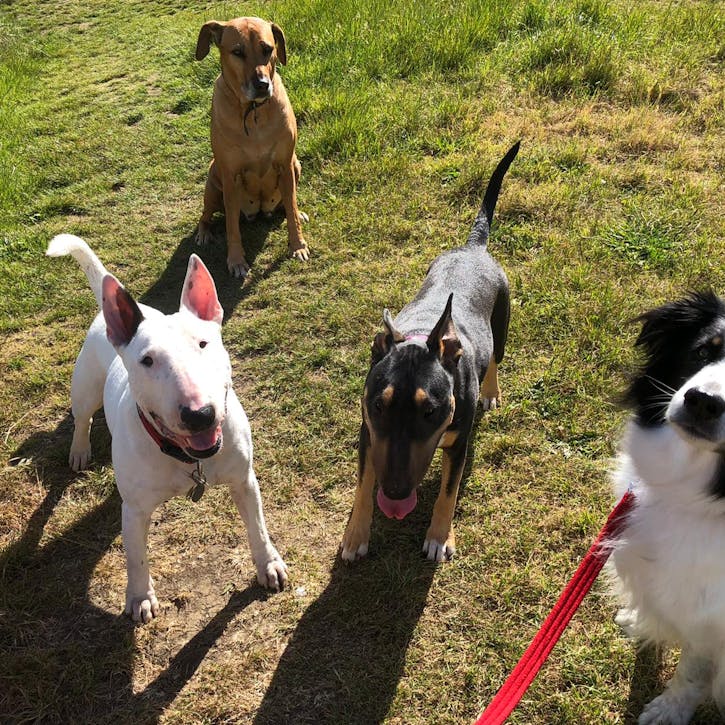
355, 541
438, 546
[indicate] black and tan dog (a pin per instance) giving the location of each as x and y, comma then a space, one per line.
424, 381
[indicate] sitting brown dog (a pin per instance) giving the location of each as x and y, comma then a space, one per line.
253, 135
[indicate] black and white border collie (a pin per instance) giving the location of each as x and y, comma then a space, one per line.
670, 558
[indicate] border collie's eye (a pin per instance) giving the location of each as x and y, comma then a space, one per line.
147, 361
203, 344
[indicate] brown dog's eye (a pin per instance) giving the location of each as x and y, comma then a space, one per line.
239, 52
267, 49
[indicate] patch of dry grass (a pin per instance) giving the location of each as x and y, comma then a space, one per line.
613, 205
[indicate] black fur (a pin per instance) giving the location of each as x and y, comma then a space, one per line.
676, 341
471, 290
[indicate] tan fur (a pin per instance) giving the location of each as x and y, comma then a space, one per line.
489, 387
256, 169
441, 524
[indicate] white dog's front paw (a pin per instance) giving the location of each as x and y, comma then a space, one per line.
272, 573
667, 709
79, 458
142, 608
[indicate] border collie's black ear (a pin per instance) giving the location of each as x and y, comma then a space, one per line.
678, 323
443, 340
385, 340
667, 337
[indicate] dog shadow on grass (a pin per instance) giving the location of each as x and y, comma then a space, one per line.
65, 659
348, 651
165, 292
648, 680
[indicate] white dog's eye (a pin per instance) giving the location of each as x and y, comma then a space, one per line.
203, 344
147, 361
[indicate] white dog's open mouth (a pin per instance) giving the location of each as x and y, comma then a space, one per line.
203, 445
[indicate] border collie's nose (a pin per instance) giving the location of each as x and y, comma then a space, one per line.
198, 420
703, 406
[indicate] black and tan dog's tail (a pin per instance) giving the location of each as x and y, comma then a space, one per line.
482, 223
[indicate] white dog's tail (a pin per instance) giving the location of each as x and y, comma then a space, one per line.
93, 267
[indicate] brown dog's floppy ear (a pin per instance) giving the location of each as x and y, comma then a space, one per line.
443, 340
280, 43
211, 31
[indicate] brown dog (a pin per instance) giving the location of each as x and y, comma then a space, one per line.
253, 135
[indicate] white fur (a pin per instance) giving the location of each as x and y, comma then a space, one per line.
183, 373
670, 559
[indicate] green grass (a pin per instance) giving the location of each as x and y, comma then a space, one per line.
613, 205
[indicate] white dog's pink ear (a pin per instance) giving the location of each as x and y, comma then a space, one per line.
199, 293
120, 311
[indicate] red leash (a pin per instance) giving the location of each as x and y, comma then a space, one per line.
529, 665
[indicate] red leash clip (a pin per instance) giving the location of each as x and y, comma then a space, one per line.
551, 630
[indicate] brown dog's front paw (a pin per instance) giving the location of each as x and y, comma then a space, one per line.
302, 253
237, 264
203, 234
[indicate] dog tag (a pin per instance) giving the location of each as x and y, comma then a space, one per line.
199, 479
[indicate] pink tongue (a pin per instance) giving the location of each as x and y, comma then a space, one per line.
396, 509
202, 441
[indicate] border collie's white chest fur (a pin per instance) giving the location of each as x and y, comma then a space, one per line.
671, 556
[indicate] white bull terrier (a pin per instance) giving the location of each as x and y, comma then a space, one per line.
165, 385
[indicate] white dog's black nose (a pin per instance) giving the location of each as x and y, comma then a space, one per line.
198, 420
703, 406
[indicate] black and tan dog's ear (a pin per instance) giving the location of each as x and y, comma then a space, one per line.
384, 340
279, 41
443, 340
211, 32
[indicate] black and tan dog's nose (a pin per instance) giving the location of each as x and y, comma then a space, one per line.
198, 420
703, 406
